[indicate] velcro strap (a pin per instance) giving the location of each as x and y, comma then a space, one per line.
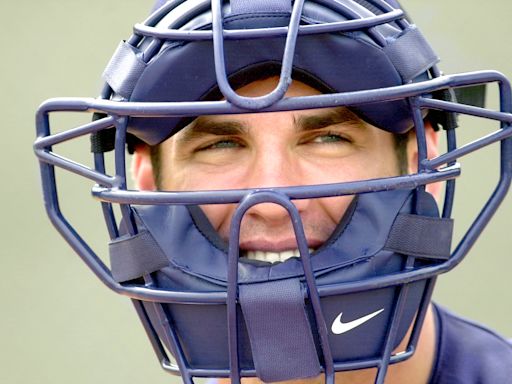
473, 95
251, 6
447, 120
411, 54
124, 69
103, 141
279, 331
421, 236
131, 257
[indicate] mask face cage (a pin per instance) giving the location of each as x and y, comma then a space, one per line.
154, 301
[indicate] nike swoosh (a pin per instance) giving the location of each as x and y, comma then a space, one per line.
338, 327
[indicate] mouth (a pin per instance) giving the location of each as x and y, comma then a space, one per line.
273, 257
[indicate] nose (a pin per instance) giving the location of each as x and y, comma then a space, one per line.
275, 168
270, 214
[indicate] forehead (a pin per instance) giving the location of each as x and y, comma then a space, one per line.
264, 87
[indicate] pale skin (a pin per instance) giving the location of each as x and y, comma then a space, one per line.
286, 149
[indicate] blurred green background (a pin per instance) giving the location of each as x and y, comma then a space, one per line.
58, 324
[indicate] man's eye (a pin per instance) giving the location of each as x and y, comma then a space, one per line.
221, 144
329, 138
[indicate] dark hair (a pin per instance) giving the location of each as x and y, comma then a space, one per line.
401, 140
156, 163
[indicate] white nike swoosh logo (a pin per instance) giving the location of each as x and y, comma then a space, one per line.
339, 327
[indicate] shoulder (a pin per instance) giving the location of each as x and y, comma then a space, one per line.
468, 352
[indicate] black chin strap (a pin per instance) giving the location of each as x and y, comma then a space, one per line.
132, 257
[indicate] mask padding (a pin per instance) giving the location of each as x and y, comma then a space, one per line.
249, 6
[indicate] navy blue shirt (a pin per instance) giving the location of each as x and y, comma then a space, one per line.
468, 353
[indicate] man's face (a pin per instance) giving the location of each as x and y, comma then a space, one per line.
274, 150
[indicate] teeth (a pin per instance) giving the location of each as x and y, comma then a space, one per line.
273, 257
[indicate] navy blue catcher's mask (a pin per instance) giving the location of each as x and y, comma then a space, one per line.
220, 315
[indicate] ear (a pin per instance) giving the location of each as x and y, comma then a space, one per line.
432, 139
142, 170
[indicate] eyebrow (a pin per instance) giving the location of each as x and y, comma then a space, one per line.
203, 125
327, 118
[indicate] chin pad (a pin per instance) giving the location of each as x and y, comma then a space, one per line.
184, 254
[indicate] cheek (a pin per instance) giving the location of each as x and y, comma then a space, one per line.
320, 217
323, 220
219, 216
373, 162
191, 177
333, 208
365, 163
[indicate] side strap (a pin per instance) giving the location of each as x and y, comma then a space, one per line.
411, 54
131, 257
124, 69
421, 236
